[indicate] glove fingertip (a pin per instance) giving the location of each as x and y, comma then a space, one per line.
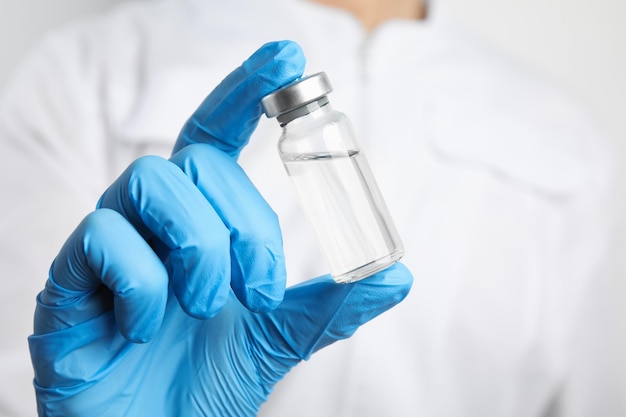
139, 325
202, 302
263, 301
285, 61
138, 336
260, 295
276, 52
259, 285
140, 308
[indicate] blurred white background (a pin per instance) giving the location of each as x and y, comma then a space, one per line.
580, 45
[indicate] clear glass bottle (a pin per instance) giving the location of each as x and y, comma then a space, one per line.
333, 180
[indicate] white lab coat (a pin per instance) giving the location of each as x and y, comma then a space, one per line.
498, 184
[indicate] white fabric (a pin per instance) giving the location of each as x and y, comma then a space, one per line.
498, 184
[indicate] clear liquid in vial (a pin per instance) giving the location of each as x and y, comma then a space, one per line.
349, 216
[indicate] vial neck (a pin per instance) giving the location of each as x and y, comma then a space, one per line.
320, 104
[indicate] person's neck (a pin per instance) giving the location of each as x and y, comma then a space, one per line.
372, 13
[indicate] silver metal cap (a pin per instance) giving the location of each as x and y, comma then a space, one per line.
297, 94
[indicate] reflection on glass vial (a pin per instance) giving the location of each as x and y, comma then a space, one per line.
333, 180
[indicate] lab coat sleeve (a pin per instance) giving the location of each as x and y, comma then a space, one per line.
52, 170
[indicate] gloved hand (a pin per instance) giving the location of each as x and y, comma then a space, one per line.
168, 299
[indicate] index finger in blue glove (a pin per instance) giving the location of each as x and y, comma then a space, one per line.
231, 112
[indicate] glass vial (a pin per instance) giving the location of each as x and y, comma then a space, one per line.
333, 181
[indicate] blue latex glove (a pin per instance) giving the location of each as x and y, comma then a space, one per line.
185, 256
